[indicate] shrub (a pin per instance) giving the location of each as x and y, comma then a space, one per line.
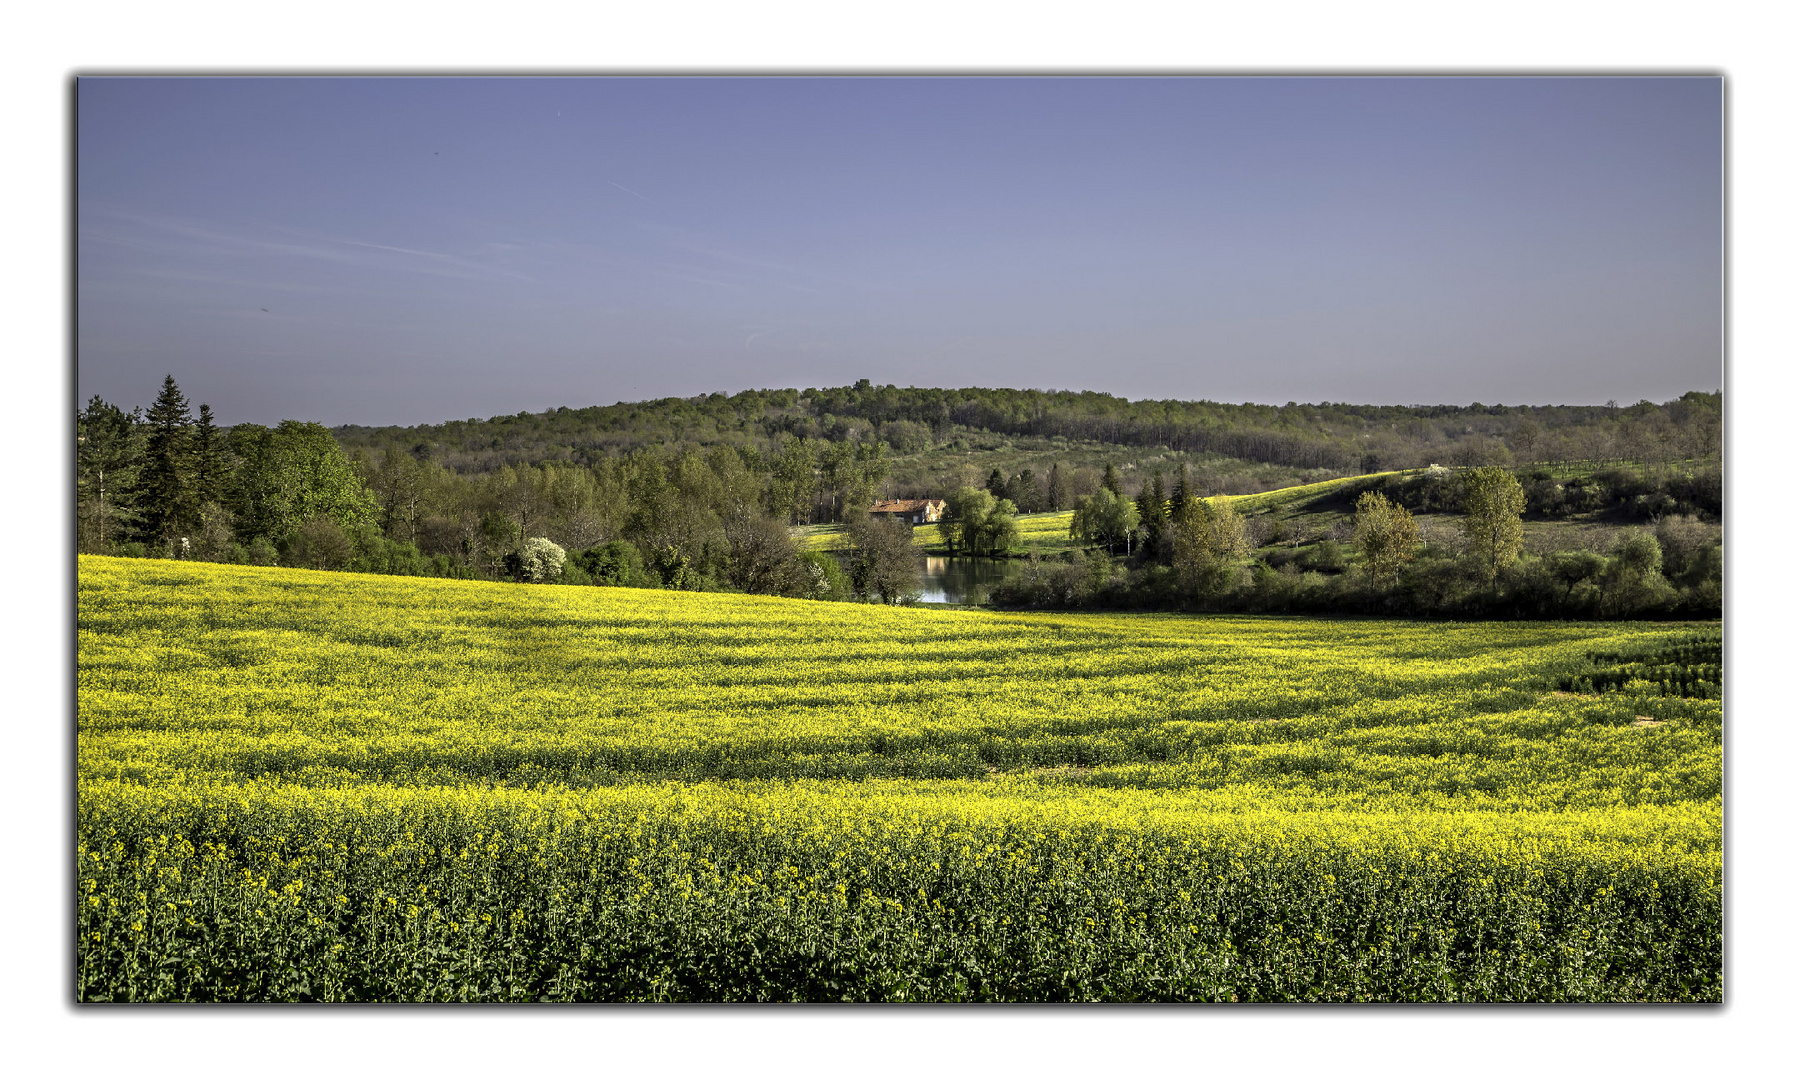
1684, 541
1704, 491
824, 577
319, 544
616, 563
260, 552
1327, 557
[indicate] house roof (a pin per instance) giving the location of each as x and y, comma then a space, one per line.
901, 506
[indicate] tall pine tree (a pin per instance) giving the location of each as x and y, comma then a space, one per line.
1146, 506
1025, 494
1179, 497
107, 451
1056, 490
169, 505
212, 464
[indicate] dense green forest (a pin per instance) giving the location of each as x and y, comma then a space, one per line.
1341, 437
701, 493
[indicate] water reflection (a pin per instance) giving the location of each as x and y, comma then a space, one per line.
961, 580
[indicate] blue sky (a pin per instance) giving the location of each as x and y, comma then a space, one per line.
413, 250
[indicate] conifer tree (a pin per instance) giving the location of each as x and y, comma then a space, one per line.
1056, 490
108, 447
212, 467
1146, 506
1178, 498
1110, 481
169, 504
1025, 492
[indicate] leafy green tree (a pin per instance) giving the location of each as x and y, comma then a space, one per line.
1000, 532
906, 436
399, 485
837, 473
319, 543
616, 563
883, 561
1634, 583
291, 474
1638, 555
762, 556
1492, 503
675, 504
962, 506
1579, 572
861, 479
1387, 534
1104, 518
170, 496
214, 472
791, 482
1110, 481
996, 483
497, 541
673, 568
1207, 546
1686, 544
1153, 516
976, 523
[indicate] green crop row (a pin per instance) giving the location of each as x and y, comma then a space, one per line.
842, 893
1688, 666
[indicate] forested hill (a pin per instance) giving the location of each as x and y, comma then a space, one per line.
1335, 436
704, 493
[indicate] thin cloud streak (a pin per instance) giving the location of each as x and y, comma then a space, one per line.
307, 246
628, 191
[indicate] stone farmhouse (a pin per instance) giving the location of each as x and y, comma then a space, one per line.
912, 511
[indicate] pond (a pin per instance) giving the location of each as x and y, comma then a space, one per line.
962, 580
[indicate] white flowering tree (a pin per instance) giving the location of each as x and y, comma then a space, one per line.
541, 560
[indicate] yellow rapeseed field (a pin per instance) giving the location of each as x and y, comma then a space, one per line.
298, 786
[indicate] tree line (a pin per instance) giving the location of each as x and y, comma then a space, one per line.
1185, 553
168, 483
1342, 437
